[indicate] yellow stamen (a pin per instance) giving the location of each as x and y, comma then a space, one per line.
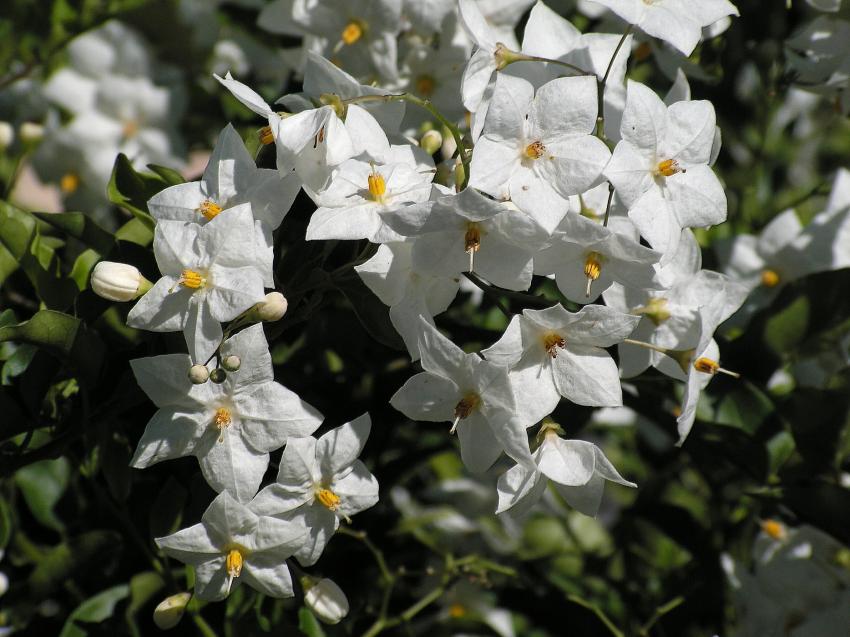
328, 498
592, 269
472, 242
209, 209
456, 611
191, 279
770, 278
464, 408
425, 85
69, 183
668, 168
319, 138
535, 150
708, 366
266, 135
377, 186
774, 529
130, 130
233, 563
222, 421
352, 32
552, 341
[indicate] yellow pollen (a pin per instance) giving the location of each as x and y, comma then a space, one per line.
209, 209
774, 529
69, 183
222, 421
535, 150
668, 168
266, 135
464, 408
769, 278
328, 498
456, 611
552, 341
234, 563
131, 129
708, 366
191, 279
592, 269
425, 85
352, 32
377, 186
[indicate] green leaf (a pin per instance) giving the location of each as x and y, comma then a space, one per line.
143, 586
822, 504
62, 335
83, 265
8, 263
785, 329
94, 610
166, 512
745, 407
42, 484
81, 227
308, 624
370, 311
6, 524
17, 363
135, 231
170, 176
131, 190
84, 553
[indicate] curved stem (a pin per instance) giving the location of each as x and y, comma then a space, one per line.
493, 291
600, 117
608, 205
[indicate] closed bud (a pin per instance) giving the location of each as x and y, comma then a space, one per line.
199, 374
273, 307
7, 135
231, 363
325, 599
170, 610
218, 375
431, 141
118, 281
30, 132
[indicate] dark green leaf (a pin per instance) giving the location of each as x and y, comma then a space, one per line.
308, 624
81, 227
370, 311
131, 190
94, 610
81, 555
167, 510
135, 231
170, 176
42, 485
785, 329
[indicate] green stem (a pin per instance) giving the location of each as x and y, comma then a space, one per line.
490, 289
659, 613
600, 117
376, 552
535, 58
598, 612
608, 205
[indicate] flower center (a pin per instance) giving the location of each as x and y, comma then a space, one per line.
668, 168
465, 407
770, 278
425, 85
377, 186
209, 209
352, 32
191, 279
552, 341
708, 366
328, 498
592, 269
222, 420
69, 183
535, 150
472, 242
130, 129
233, 563
655, 310
266, 135
456, 611
774, 529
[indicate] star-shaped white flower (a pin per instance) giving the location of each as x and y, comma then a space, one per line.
538, 149
577, 469
230, 427
473, 394
232, 545
210, 274
319, 482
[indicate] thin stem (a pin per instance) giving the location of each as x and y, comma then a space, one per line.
376, 552
489, 288
659, 613
661, 350
598, 612
536, 58
608, 205
600, 117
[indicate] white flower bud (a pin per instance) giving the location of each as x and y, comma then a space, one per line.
170, 610
326, 600
449, 146
30, 132
231, 363
273, 307
118, 281
431, 141
7, 135
198, 374
4, 584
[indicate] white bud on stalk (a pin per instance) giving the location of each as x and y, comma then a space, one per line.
7, 135
431, 141
273, 307
30, 132
231, 363
199, 374
325, 599
118, 281
170, 610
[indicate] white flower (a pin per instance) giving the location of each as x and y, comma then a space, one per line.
410, 294
326, 600
231, 545
231, 178
538, 149
231, 427
319, 482
473, 394
553, 353
577, 468
483, 63
660, 167
211, 274
679, 22
118, 281
586, 258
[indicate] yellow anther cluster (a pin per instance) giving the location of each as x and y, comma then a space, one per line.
328, 498
472, 238
770, 278
191, 279
456, 611
266, 135
669, 167
535, 150
209, 209
233, 563
69, 183
130, 129
467, 405
377, 186
706, 365
425, 85
552, 341
774, 529
352, 32
593, 266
